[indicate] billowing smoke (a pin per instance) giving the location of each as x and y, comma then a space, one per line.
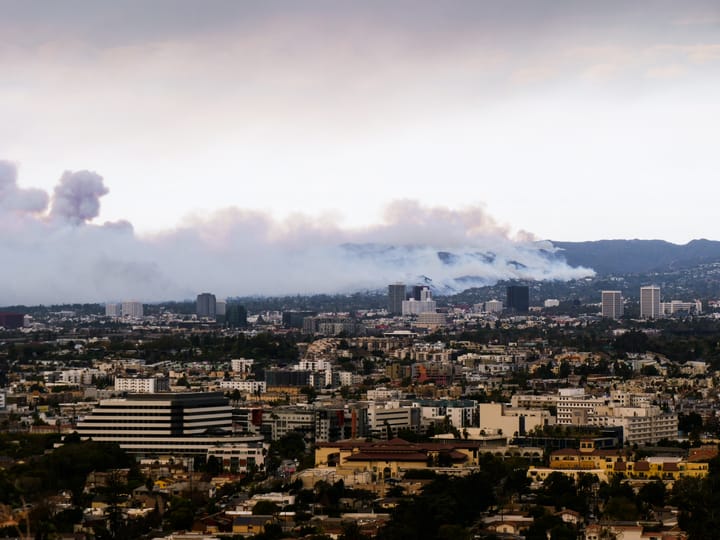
16, 200
61, 256
77, 197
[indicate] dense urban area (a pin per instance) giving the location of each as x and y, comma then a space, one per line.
536, 410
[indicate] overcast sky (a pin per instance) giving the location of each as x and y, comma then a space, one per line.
561, 120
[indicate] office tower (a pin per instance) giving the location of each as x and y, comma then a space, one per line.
417, 292
493, 306
134, 310
396, 296
235, 315
650, 302
166, 423
112, 310
612, 304
518, 298
206, 306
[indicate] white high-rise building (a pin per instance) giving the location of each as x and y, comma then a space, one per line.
650, 302
493, 306
112, 310
612, 304
134, 310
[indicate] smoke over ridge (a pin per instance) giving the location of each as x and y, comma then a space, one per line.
51, 251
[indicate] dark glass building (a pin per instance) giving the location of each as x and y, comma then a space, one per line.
518, 298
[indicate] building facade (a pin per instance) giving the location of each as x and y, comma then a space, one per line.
612, 304
206, 306
396, 297
518, 298
151, 424
650, 302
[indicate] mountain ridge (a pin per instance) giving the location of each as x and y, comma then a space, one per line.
637, 256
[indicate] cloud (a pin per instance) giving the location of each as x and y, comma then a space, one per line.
62, 256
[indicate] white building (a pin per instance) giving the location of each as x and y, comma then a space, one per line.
650, 302
612, 304
551, 302
165, 423
79, 376
241, 456
142, 385
133, 310
385, 420
493, 306
415, 307
574, 406
112, 310
678, 306
249, 386
500, 419
641, 425
242, 366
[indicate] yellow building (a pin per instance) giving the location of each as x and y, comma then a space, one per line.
607, 463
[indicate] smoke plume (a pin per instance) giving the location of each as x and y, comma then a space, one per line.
61, 255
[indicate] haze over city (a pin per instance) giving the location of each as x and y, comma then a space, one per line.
152, 151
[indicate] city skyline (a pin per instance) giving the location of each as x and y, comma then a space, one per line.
144, 139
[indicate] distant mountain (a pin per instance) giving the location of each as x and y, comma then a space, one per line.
638, 256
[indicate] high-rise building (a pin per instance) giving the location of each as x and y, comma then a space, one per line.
235, 315
206, 306
518, 298
134, 310
112, 310
650, 302
612, 304
417, 292
493, 306
396, 296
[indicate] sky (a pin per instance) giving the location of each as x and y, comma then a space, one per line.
313, 123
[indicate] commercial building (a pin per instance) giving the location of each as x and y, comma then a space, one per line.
493, 306
151, 424
612, 304
678, 307
396, 297
416, 307
518, 298
113, 310
206, 306
242, 456
235, 315
650, 302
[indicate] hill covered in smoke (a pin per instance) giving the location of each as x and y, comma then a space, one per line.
53, 251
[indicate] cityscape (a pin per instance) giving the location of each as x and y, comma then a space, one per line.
298, 423
320, 270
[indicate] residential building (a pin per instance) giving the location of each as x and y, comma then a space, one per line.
132, 310
612, 304
650, 302
142, 385
113, 310
493, 306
